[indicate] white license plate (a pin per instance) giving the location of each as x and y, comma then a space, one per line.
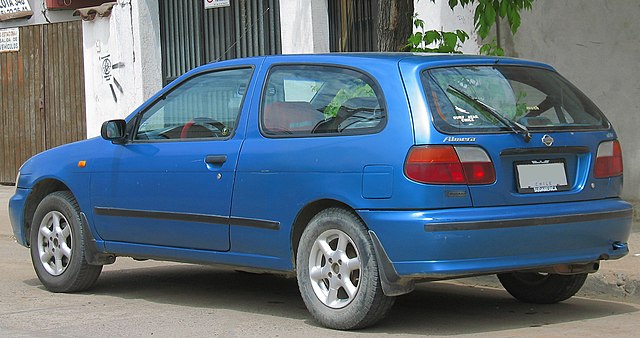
541, 176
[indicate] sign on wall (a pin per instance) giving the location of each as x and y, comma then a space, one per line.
14, 9
213, 3
9, 40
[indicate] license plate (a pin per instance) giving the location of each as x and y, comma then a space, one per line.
541, 176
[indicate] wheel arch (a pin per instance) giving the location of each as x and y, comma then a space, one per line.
306, 214
39, 191
392, 283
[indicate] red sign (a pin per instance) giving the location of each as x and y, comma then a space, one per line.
73, 4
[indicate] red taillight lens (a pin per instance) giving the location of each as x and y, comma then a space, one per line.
449, 165
608, 160
477, 165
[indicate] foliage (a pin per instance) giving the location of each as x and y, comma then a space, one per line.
446, 42
492, 48
359, 90
487, 11
485, 15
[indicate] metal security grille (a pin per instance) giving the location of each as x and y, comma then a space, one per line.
352, 25
192, 36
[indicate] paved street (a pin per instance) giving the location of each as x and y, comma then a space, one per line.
169, 299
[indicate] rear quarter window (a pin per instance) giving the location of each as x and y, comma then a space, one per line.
310, 100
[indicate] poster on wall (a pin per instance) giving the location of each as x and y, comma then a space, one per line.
14, 9
215, 3
9, 40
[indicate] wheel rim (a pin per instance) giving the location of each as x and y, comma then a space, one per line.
335, 269
54, 243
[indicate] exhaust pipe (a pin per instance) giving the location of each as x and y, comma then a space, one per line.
573, 269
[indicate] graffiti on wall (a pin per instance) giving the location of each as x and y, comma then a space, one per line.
106, 68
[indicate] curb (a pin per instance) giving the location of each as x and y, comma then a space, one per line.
605, 284
617, 280
611, 287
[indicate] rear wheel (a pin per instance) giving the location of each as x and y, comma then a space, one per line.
540, 288
57, 245
338, 273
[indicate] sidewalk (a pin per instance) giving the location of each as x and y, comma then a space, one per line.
616, 280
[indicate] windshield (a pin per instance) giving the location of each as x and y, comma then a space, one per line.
537, 99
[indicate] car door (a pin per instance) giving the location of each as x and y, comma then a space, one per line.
171, 184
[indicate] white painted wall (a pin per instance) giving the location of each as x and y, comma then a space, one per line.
130, 37
439, 16
304, 26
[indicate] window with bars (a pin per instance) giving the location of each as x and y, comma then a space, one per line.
352, 25
192, 36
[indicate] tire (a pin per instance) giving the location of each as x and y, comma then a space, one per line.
57, 245
538, 288
338, 274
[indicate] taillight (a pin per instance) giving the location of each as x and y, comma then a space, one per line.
449, 165
608, 160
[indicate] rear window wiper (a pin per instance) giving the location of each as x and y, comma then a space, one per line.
513, 125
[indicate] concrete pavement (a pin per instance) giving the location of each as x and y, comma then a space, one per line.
617, 280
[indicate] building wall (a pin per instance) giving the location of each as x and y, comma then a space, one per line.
439, 16
304, 26
40, 16
129, 39
596, 46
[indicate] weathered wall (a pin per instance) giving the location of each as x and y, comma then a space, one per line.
122, 61
439, 16
304, 26
40, 16
596, 45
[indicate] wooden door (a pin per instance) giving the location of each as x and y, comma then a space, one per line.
42, 101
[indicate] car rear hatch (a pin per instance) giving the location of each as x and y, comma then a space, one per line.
546, 141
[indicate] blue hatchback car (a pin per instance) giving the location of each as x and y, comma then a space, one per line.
360, 174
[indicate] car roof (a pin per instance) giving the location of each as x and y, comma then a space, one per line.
425, 59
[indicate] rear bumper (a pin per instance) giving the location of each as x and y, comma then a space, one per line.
441, 244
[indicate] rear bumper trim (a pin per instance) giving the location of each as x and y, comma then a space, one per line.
524, 222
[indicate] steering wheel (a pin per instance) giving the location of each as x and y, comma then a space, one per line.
220, 129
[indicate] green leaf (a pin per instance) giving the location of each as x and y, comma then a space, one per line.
462, 35
450, 40
419, 23
503, 8
431, 36
476, 16
490, 15
415, 39
453, 3
515, 22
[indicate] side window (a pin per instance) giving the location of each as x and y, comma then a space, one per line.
306, 100
203, 107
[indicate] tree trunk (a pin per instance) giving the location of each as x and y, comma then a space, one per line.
394, 24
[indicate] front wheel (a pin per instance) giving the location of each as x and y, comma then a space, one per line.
57, 245
338, 274
540, 288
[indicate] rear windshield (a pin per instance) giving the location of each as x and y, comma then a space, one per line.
466, 99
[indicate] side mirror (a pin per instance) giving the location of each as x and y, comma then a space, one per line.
114, 131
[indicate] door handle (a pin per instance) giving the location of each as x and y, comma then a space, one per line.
215, 159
